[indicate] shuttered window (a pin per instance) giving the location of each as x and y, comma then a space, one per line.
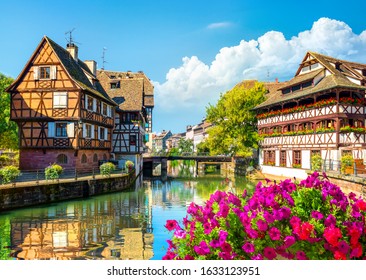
59, 100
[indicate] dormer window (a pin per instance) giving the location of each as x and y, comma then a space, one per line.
115, 85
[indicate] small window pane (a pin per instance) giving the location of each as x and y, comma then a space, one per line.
61, 129
45, 72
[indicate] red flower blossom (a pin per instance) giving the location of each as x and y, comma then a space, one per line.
332, 234
171, 224
339, 255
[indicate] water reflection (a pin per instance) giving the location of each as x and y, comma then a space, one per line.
125, 225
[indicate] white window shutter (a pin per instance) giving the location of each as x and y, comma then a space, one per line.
53, 72
70, 129
86, 102
84, 130
105, 133
36, 72
92, 131
51, 129
108, 111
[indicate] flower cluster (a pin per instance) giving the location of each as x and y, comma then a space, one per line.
318, 104
348, 128
312, 219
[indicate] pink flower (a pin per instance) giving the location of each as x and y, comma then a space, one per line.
248, 247
269, 253
289, 241
171, 224
262, 225
274, 233
300, 255
169, 256
202, 249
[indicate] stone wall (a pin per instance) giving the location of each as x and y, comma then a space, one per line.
350, 184
17, 197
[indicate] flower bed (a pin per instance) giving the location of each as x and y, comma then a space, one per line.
312, 219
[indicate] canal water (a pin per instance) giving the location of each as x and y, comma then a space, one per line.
124, 225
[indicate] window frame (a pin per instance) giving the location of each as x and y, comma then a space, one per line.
64, 129
44, 75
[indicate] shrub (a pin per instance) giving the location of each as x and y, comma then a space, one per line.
312, 219
53, 172
9, 173
346, 162
316, 162
129, 165
107, 168
4, 160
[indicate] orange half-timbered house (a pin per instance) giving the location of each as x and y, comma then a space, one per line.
133, 92
63, 114
321, 111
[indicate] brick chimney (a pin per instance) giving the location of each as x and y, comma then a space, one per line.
92, 65
73, 51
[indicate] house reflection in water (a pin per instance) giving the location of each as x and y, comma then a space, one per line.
120, 228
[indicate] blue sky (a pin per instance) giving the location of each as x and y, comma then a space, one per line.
191, 50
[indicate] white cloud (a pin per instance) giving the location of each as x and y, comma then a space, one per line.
217, 25
194, 84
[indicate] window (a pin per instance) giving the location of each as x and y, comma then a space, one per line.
283, 159
296, 159
90, 102
132, 139
60, 100
84, 159
115, 85
95, 158
101, 133
104, 157
88, 131
104, 109
269, 158
45, 72
61, 129
61, 159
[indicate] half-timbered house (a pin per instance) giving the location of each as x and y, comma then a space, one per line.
320, 111
63, 114
133, 92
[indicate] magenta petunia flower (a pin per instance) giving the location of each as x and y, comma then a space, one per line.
180, 234
317, 215
330, 220
248, 247
222, 236
257, 257
274, 233
171, 224
300, 255
289, 241
214, 243
269, 217
207, 228
202, 249
226, 247
169, 256
343, 247
262, 225
269, 253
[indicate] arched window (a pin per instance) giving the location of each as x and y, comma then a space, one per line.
95, 158
61, 159
84, 159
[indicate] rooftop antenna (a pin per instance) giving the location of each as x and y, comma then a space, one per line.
103, 58
69, 40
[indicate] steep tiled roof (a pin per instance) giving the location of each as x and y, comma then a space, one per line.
77, 71
135, 89
337, 78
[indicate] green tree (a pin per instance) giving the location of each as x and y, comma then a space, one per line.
234, 130
8, 129
185, 145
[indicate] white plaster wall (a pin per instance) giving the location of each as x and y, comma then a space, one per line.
285, 172
305, 159
277, 154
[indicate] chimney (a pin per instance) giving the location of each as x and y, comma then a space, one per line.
73, 50
92, 65
276, 80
